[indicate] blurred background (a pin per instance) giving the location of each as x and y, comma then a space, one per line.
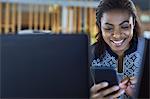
58, 16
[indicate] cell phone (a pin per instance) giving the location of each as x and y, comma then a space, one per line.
104, 75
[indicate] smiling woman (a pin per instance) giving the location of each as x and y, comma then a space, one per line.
118, 46
117, 30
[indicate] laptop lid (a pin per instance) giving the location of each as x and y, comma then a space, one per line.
44, 66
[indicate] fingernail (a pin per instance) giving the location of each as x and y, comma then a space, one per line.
116, 87
120, 84
122, 91
105, 84
132, 86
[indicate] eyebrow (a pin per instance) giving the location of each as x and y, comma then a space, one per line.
108, 24
124, 22
119, 24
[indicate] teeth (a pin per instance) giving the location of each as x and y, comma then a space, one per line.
117, 42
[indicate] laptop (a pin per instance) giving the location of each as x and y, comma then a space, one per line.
143, 88
44, 66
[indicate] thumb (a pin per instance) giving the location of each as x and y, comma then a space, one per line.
123, 83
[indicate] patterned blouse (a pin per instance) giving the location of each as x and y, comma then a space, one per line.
131, 62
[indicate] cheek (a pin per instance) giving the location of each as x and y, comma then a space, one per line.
128, 33
106, 37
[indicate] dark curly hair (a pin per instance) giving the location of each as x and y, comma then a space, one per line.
107, 5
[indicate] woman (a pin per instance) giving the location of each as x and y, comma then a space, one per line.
117, 47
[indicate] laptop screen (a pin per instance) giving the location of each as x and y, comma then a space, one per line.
44, 66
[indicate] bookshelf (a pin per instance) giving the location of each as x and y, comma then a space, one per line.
65, 16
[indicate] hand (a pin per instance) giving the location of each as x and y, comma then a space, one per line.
131, 86
128, 84
96, 94
124, 83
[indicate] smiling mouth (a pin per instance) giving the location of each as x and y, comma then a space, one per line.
118, 42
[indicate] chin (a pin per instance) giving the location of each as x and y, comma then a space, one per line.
119, 49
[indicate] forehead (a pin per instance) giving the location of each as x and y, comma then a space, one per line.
116, 16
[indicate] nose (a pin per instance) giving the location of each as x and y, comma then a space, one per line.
116, 36
117, 33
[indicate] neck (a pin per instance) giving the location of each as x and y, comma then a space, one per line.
120, 53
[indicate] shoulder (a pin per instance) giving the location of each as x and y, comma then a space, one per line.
141, 41
92, 55
141, 44
135, 56
139, 49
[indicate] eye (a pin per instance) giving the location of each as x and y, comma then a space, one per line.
109, 29
125, 27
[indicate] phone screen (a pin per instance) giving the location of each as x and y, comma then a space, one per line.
104, 75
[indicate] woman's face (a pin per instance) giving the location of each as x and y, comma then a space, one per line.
117, 29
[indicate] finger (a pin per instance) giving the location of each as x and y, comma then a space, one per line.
99, 86
133, 77
117, 94
123, 84
132, 86
96, 96
121, 91
109, 90
126, 78
133, 80
129, 91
